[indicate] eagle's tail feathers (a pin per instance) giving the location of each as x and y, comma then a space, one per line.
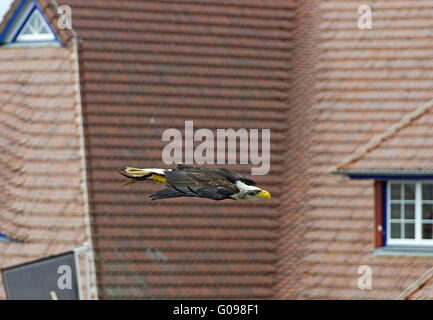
136, 172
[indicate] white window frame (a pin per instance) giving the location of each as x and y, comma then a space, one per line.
418, 215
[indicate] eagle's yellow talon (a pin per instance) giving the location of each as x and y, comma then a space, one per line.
158, 179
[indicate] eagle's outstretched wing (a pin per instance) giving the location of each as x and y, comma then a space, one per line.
229, 175
187, 181
213, 193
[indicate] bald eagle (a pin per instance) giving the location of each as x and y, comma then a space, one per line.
201, 182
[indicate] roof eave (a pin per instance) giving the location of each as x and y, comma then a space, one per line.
385, 174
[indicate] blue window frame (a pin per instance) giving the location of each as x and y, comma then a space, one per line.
4, 238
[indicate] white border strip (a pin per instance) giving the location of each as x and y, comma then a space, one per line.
93, 286
78, 273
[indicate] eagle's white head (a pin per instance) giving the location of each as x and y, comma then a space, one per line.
247, 192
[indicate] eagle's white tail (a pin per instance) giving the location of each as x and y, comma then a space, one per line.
136, 174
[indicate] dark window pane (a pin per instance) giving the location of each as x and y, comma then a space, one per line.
427, 211
396, 191
427, 191
409, 191
427, 231
409, 231
395, 230
395, 211
409, 211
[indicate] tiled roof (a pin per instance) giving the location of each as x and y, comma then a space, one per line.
300, 118
367, 80
425, 292
148, 66
41, 195
420, 289
406, 145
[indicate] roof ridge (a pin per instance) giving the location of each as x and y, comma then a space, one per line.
382, 137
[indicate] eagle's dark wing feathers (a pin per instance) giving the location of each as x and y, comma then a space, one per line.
229, 175
168, 193
188, 181
234, 176
202, 178
214, 193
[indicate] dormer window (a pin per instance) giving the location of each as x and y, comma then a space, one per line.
28, 27
35, 29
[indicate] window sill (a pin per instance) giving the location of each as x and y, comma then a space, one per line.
404, 251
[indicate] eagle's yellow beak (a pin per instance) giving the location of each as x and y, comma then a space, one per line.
264, 194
